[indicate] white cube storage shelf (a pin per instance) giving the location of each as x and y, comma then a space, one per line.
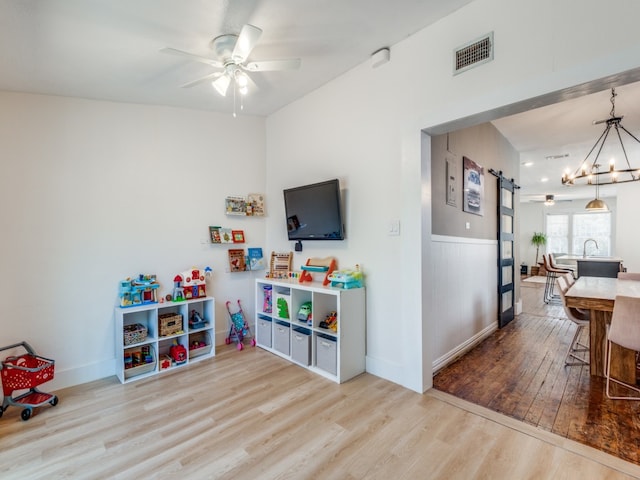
338, 355
149, 316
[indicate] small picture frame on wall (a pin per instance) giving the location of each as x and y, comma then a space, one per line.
214, 232
238, 236
255, 204
235, 206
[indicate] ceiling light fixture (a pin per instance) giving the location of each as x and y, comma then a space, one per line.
549, 200
589, 172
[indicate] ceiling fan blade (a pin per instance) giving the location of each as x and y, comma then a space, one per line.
272, 65
222, 84
201, 80
197, 58
247, 39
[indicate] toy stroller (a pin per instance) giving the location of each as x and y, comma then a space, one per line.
25, 372
239, 328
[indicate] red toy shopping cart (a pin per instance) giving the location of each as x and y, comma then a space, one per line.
25, 372
239, 328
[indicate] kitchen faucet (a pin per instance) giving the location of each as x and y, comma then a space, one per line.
584, 247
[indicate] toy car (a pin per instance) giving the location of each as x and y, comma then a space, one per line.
330, 321
304, 312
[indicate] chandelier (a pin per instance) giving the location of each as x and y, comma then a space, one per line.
592, 172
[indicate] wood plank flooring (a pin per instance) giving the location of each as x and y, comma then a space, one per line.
519, 371
252, 415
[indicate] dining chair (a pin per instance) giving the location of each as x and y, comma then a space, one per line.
628, 276
624, 331
581, 319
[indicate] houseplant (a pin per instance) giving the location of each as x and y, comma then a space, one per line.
538, 239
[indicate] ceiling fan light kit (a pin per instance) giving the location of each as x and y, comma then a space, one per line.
232, 52
589, 173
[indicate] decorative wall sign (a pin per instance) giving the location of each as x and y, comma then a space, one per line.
473, 187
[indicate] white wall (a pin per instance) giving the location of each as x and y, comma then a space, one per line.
92, 192
627, 226
364, 128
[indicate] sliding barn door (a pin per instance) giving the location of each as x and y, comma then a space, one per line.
506, 247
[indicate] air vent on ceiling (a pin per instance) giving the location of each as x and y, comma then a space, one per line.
474, 53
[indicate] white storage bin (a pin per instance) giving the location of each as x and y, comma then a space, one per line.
326, 354
301, 346
281, 338
263, 331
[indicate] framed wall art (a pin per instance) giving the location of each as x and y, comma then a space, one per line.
472, 187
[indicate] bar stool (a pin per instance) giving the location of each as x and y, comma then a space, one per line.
552, 274
581, 319
570, 268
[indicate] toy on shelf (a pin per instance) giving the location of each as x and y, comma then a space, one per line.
178, 353
190, 284
330, 321
347, 278
283, 307
267, 293
304, 313
196, 320
280, 266
327, 265
141, 291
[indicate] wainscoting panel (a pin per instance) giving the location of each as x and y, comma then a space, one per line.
465, 304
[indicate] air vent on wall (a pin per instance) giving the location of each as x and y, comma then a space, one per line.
474, 53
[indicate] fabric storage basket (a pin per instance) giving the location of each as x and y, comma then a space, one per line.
199, 344
169, 324
134, 333
143, 365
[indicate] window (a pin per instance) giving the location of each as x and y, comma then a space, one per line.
558, 233
592, 225
567, 233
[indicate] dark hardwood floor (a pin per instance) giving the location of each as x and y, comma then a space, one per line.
519, 371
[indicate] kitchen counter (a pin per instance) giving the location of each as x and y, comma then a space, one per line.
593, 265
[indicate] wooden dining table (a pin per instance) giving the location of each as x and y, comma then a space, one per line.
598, 295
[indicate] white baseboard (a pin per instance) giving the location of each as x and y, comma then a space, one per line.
463, 348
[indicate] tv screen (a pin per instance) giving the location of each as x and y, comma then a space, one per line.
314, 211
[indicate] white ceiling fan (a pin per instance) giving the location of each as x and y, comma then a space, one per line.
549, 200
231, 52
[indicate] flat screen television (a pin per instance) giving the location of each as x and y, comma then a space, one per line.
314, 211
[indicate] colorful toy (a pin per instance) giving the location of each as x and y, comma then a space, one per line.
195, 320
22, 374
347, 278
190, 284
140, 291
304, 313
283, 308
330, 321
165, 362
239, 328
325, 265
267, 305
178, 353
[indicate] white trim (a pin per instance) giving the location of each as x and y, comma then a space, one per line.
471, 241
463, 348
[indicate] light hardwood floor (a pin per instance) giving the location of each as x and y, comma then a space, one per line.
252, 415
